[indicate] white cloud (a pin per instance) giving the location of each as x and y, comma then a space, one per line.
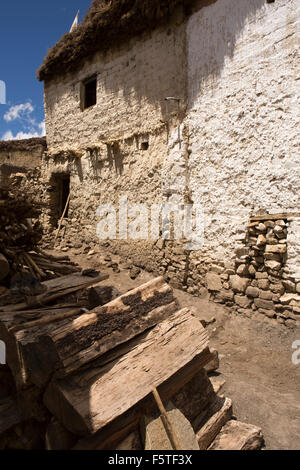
29, 127
26, 135
19, 111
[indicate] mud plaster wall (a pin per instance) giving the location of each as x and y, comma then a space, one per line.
132, 85
236, 68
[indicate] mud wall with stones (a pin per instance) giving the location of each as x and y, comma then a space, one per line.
230, 146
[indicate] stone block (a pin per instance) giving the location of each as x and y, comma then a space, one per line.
239, 284
264, 304
213, 281
252, 291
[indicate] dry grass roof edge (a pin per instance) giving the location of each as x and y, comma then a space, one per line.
109, 23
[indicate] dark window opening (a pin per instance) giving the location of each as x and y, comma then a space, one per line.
270, 1
144, 145
89, 93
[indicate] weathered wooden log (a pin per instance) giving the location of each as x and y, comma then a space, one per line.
167, 357
236, 435
67, 346
220, 413
10, 320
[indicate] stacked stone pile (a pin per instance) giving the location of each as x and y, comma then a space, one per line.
258, 279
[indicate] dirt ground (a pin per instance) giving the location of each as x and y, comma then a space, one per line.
255, 359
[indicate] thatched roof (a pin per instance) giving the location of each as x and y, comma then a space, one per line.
108, 23
25, 144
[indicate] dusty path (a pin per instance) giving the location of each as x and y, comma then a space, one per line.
255, 360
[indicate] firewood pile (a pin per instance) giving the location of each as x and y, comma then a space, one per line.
22, 262
108, 370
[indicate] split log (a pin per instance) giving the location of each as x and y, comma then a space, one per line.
66, 347
238, 436
166, 358
220, 412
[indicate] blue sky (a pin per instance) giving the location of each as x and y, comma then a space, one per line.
27, 30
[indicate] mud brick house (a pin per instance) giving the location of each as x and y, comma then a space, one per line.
20, 157
187, 102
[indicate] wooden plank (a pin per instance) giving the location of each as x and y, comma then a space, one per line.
221, 412
54, 294
111, 435
68, 346
90, 400
281, 216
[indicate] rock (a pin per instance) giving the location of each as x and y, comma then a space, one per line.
289, 286
214, 364
273, 257
4, 267
236, 435
287, 298
239, 284
252, 291
266, 295
276, 249
273, 265
242, 301
268, 313
261, 240
252, 270
226, 295
298, 287
262, 275
217, 383
269, 224
156, 437
263, 284
243, 270
261, 227
134, 272
213, 281
265, 304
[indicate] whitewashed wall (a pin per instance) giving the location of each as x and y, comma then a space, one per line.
243, 114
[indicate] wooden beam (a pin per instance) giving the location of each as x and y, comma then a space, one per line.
281, 216
66, 347
86, 401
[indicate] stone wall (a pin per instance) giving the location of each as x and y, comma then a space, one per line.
229, 145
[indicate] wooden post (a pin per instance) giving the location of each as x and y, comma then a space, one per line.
166, 422
62, 217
